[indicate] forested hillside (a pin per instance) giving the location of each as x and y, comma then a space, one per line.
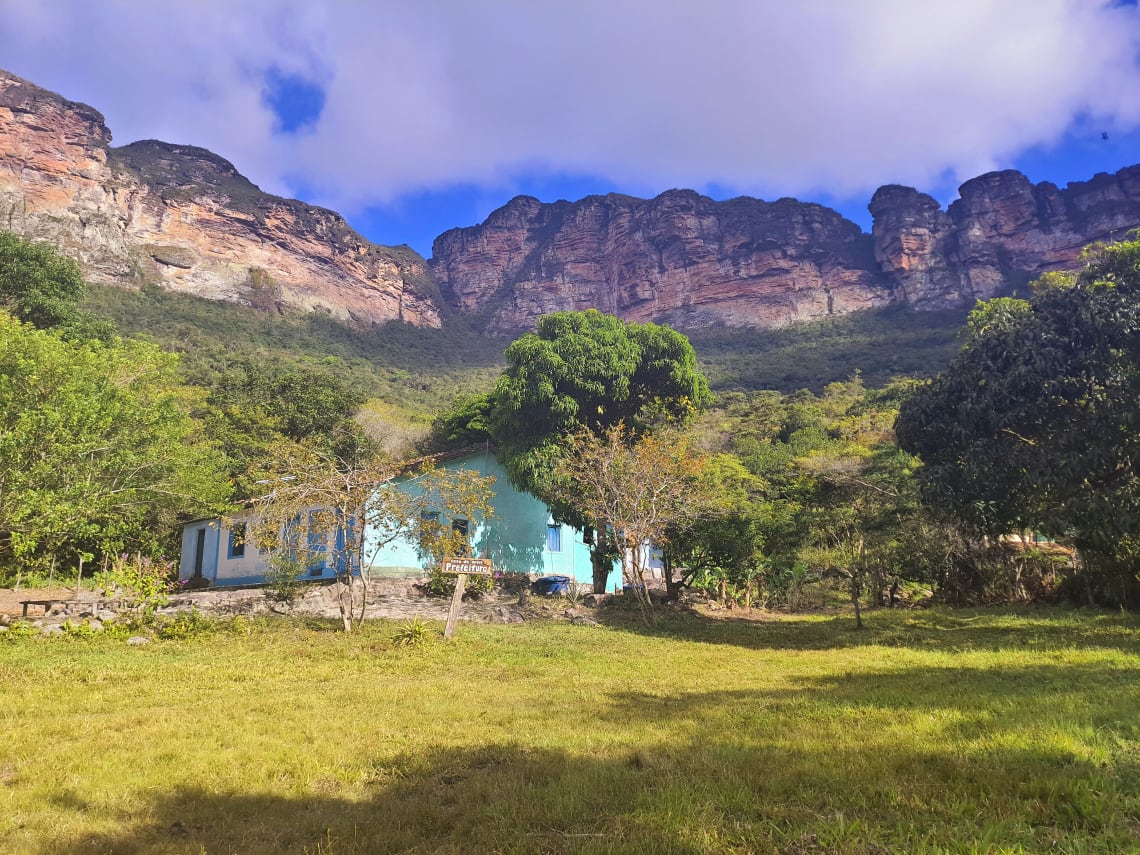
416, 371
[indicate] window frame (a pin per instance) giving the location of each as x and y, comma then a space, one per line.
236, 542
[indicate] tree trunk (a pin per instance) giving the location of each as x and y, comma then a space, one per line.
599, 561
640, 588
345, 606
857, 582
672, 586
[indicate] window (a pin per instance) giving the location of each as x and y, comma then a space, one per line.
554, 538
237, 541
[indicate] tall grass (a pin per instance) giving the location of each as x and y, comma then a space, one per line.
929, 732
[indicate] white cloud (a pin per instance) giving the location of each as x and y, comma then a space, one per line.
762, 96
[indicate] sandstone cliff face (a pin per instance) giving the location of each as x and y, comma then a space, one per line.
184, 218
1000, 233
684, 259
680, 258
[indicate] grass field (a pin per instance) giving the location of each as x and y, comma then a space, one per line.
933, 731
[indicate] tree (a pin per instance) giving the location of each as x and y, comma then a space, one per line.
723, 545
37, 284
586, 371
1035, 423
637, 488
43, 288
253, 410
98, 452
324, 509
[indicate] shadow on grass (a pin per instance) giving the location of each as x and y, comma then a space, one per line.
715, 793
960, 702
1013, 628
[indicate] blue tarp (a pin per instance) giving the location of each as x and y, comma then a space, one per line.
550, 585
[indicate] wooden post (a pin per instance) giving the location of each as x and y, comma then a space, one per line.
460, 566
79, 579
453, 612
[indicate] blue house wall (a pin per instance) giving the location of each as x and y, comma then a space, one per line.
520, 537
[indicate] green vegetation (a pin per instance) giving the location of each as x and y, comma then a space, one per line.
880, 344
98, 451
417, 370
423, 370
43, 288
581, 371
930, 732
1035, 423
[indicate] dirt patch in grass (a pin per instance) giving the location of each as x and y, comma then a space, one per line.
10, 599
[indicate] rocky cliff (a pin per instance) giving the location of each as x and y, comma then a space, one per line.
1001, 232
690, 261
184, 218
680, 258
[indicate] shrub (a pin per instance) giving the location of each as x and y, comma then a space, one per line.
19, 630
282, 582
145, 584
442, 584
413, 633
82, 629
185, 625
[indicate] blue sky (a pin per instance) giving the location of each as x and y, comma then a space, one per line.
414, 117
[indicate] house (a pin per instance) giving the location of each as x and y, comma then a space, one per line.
520, 537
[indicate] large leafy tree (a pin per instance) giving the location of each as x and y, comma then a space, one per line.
97, 449
41, 287
37, 284
586, 371
253, 409
1036, 423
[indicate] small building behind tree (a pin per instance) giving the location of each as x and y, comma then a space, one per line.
521, 536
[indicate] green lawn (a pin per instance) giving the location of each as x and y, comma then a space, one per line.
933, 731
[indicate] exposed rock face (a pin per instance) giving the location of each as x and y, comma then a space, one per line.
1001, 232
680, 258
184, 218
690, 261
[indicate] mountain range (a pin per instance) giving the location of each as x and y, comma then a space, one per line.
185, 219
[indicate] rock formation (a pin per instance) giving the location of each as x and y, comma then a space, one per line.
687, 260
187, 220
1001, 232
184, 218
680, 258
